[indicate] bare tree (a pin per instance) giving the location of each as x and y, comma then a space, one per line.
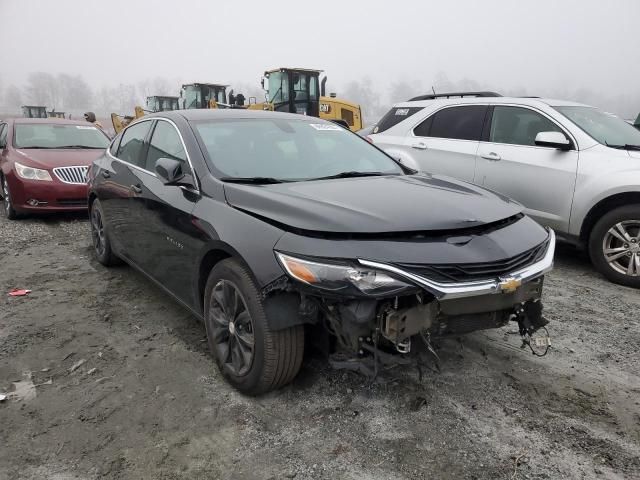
13, 97
362, 92
74, 92
42, 89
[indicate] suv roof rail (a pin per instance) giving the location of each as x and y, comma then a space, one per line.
433, 96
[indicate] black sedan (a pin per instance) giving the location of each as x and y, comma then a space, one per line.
269, 225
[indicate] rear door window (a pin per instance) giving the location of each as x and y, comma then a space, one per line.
3, 133
518, 126
132, 144
460, 123
394, 117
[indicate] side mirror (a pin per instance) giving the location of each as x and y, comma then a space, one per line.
553, 139
169, 170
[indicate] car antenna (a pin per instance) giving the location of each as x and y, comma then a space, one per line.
433, 90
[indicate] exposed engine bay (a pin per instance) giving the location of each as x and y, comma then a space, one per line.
369, 333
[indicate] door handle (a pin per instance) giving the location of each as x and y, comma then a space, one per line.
106, 174
136, 188
492, 156
419, 146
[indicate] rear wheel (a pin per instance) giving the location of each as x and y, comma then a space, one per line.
8, 209
614, 245
252, 357
100, 238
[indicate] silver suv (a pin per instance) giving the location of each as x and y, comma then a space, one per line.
574, 167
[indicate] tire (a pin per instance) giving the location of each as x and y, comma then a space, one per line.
7, 206
273, 359
618, 231
100, 238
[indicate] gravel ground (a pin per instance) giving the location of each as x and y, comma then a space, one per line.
109, 378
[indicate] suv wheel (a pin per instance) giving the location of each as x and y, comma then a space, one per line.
614, 245
8, 209
100, 238
252, 357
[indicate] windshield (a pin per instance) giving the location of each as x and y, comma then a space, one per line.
59, 136
603, 127
288, 149
278, 87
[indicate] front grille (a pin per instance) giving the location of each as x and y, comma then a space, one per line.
76, 175
72, 202
465, 272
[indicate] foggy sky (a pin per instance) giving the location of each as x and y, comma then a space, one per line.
570, 44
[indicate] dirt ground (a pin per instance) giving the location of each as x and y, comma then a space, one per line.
108, 378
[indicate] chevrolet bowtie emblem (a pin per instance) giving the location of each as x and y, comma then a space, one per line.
509, 285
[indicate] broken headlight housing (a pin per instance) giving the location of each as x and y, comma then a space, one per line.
342, 277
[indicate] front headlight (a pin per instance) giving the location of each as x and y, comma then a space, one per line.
31, 173
342, 277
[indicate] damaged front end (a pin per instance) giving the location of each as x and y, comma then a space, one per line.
376, 311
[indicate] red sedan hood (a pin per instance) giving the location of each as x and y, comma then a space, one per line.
51, 158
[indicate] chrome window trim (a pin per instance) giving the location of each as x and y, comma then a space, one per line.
184, 146
479, 287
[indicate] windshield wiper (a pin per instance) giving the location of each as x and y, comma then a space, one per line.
626, 146
252, 180
87, 147
352, 174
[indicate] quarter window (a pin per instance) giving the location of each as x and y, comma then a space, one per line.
394, 117
132, 143
460, 123
518, 126
165, 143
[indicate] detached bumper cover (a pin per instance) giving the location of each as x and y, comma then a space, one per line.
449, 290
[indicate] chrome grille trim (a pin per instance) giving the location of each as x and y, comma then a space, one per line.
76, 175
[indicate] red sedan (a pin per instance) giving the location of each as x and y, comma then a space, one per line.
44, 163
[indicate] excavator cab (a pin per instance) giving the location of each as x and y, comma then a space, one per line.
293, 90
31, 111
159, 103
300, 90
202, 95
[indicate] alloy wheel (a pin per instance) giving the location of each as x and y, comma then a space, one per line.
233, 333
621, 247
97, 232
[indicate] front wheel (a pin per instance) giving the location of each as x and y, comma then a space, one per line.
614, 245
251, 356
8, 209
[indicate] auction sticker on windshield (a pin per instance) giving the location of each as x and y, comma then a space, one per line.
326, 126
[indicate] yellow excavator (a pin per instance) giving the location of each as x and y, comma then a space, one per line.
154, 103
300, 90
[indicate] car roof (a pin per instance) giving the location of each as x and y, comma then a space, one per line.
531, 101
58, 121
229, 113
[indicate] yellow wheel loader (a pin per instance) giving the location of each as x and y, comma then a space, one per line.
300, 90
162, 103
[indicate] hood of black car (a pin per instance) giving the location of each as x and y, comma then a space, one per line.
407, 203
